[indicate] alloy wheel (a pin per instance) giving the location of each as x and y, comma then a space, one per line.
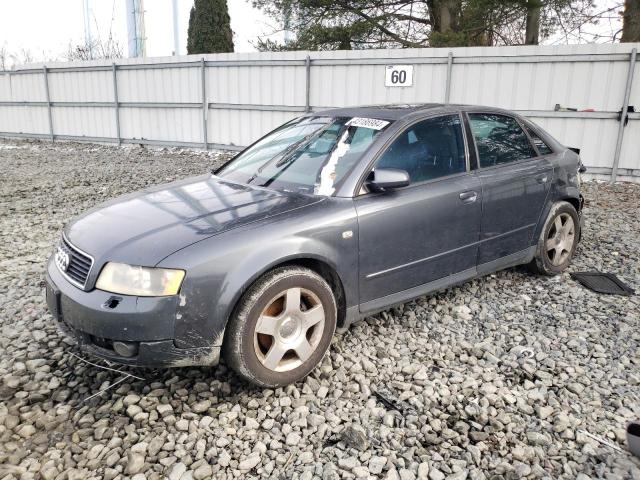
560, 239
289, 329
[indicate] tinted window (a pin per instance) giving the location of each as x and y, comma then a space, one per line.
429, 149
499, 139
542, 147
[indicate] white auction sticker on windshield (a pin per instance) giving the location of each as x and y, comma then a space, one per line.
372, 123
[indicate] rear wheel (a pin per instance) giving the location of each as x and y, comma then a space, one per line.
282, 327
558, 240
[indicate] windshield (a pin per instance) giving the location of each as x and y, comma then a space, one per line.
308, 154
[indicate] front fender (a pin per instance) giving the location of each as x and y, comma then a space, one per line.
221, 268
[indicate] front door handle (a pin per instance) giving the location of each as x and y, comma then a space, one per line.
468, 197
542, 178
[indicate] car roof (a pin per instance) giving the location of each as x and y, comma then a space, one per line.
398, 111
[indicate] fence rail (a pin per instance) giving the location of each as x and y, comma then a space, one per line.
226, 100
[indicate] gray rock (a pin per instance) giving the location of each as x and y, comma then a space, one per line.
202, 472
202, 406
376, 464
423, 471
251, 423
293, 439
249, 463
176, 471
135, 463
435, 474
354, 436
348, 463
406, 474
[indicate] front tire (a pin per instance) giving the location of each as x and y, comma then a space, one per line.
281, 328
558, 240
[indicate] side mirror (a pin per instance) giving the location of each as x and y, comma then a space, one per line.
382, 179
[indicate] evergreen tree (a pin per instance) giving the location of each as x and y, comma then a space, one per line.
209, 28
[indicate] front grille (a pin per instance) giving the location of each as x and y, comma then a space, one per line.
79, 264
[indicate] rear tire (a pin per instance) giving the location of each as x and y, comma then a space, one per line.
281, 328
558, 240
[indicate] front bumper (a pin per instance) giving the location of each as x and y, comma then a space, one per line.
101, 323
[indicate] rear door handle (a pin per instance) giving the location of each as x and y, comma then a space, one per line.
469, 197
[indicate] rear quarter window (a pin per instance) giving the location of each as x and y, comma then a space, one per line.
540, 144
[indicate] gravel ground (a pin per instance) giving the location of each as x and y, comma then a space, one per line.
509, 376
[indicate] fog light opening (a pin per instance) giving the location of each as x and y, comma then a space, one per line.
112, 303
126, 349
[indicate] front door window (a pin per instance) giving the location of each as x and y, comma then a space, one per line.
428, 149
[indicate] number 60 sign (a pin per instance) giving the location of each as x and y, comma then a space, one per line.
398, 76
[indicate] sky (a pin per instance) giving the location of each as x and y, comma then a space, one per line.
46, 28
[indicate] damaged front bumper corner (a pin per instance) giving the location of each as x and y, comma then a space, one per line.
128, 336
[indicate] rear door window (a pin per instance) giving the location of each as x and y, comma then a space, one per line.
428, 149
499, 139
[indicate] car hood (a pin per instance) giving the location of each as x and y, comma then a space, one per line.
144, 227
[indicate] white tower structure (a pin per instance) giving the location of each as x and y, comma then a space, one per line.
176, 33
135, 28
88, 40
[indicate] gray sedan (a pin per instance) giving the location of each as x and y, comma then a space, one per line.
331, 217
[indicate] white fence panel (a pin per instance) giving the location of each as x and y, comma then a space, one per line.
5, 88
94, 122
24, 121
243, 127
256, 85
161, 124
160, 101
28, 87
179, 85
630, 155
80, 86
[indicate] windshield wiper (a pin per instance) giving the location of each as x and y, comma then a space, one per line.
284, 157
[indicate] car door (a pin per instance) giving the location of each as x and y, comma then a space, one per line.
415, 235
515, 184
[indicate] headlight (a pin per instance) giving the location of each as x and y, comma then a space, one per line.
140, 281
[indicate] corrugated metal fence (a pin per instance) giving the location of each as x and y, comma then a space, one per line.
228, 100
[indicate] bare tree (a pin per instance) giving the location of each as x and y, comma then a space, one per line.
4, 58
95, 50
24, 56
583, 26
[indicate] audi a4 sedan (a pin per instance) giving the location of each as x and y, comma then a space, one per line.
331, 217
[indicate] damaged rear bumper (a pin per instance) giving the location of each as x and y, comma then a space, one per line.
581, 215
137, 332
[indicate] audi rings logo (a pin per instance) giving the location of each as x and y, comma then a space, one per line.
62, 259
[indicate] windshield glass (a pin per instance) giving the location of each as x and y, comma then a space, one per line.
308, 154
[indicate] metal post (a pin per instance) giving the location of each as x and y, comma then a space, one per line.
46, 91
205, 143
307, 66
116, 104
447, 90
623, 114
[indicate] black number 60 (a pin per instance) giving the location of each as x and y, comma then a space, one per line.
398, 76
